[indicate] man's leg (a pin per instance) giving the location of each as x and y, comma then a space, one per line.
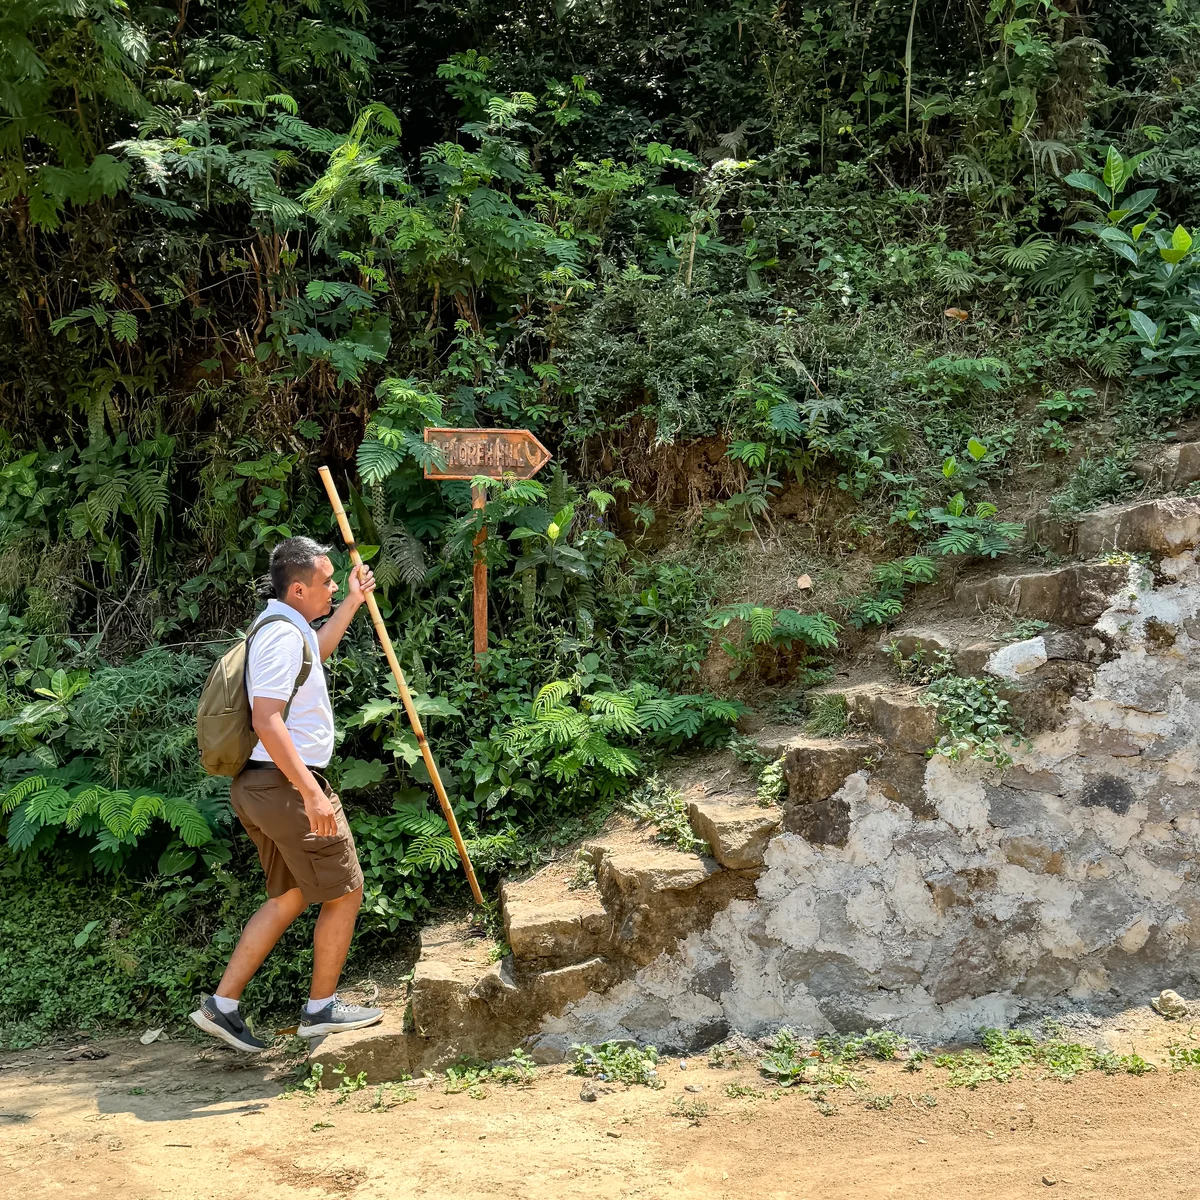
331, 942
325, 1012
258, 939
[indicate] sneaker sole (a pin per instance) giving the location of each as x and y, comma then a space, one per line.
211, 1027
312, 1031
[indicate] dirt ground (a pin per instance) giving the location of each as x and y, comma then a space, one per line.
190, 1121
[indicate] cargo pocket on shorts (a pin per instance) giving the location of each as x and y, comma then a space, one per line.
332, 862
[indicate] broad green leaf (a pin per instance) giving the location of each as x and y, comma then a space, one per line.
359, 773
1089, 183
404, 745
976, 449
175, 859
81, 938
1181, 243
434, 706
1114, 170
1145, 327
374, 711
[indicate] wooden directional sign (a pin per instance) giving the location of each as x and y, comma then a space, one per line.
491, 452
494, 453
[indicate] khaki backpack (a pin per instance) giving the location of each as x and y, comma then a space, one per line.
224, 728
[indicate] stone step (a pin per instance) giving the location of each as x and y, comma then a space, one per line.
737, 833
891, 710
550, 930
462, 1004
815, 768
641, 874
1162, 528
774, 741
657, 896
1072, 595
896, 715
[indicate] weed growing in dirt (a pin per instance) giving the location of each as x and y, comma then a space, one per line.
618, 1062
790, 1063
1007, 1053
307, 1081
1182, 1057
918, 668
654, 803
880, 1101
319, 1125
875, 1043
744, 1091
349, 1084
827, 716
746, 751
1097, 481
772, 784
469, 1075
730, 1055
692, 1111
389, 1096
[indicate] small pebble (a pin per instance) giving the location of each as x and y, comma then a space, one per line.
587, 1095
683, 1064
693, 1087
613, 1133
1049, 1180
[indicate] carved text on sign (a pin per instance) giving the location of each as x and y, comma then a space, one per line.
491, 452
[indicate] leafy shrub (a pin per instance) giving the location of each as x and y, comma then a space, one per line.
977, 721
1008, 1054
80, 953
619, 1062
571, 737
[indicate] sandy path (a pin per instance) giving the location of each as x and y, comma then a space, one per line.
178, 1120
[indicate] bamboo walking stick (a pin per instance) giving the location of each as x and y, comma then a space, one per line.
398, 675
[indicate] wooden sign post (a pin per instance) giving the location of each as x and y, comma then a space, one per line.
495, 453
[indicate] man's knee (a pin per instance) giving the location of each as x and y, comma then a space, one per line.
349, 901
290, 901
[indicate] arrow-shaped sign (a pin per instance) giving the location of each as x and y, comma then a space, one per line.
490, 452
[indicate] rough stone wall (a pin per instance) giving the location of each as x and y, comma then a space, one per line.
1070, 876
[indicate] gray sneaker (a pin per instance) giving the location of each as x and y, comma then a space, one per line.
337, 1017
229, 1027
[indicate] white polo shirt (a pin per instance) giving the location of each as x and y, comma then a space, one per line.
276, 656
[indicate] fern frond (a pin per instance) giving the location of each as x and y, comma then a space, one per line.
762, 622
114, 809
186, 819
21, 790
552, 694
49, 806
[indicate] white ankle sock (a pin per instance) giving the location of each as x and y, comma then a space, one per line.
225, 1005
316, 1005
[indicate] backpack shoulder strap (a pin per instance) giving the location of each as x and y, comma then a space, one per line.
306, 664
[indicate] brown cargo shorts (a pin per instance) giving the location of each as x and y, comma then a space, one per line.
272, 812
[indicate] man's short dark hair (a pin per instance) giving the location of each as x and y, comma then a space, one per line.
294, 559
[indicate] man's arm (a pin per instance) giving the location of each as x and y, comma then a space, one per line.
267, 719
360, 583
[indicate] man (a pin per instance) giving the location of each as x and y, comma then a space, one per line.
285, 805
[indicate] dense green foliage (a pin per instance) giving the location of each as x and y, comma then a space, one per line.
886, 256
